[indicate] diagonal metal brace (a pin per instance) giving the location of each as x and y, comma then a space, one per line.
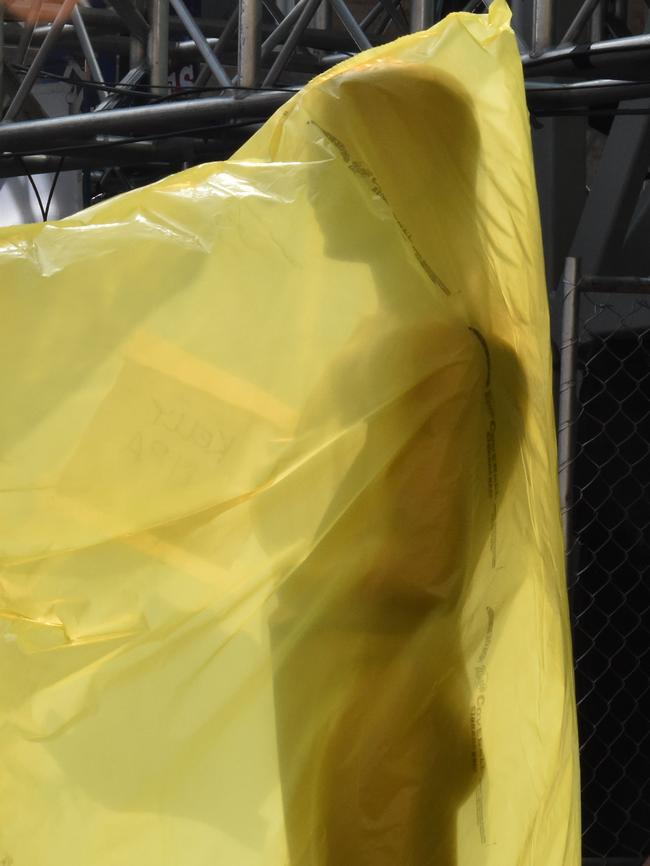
132, 17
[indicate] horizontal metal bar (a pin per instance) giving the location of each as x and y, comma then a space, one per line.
549, 97
168, 154
106, 21
616, 58
179, 115
324, 40
616, 285
148, 120
104, 157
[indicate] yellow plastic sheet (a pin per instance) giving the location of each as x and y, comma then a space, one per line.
281, 567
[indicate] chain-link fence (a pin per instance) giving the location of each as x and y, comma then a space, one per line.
608, 491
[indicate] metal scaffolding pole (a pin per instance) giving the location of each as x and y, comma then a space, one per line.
620, 9
597, 22
351, 24
32, 109
41, 136
282, 30
323, 17
584, 14
88, 50
615, 190
618, 58
396, 14
372, 16
160, 156
201, 43
132, 78
109, 41
422, 14
130, 15
567, 395
138, 41
554, 99
158, 48
41, 56
226, 34
27, 31
250, 21
543, 21
136, 52
289, 46
2, 58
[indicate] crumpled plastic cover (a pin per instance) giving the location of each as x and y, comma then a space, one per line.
281, 565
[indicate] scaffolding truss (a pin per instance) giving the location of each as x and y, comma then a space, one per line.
243, 64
